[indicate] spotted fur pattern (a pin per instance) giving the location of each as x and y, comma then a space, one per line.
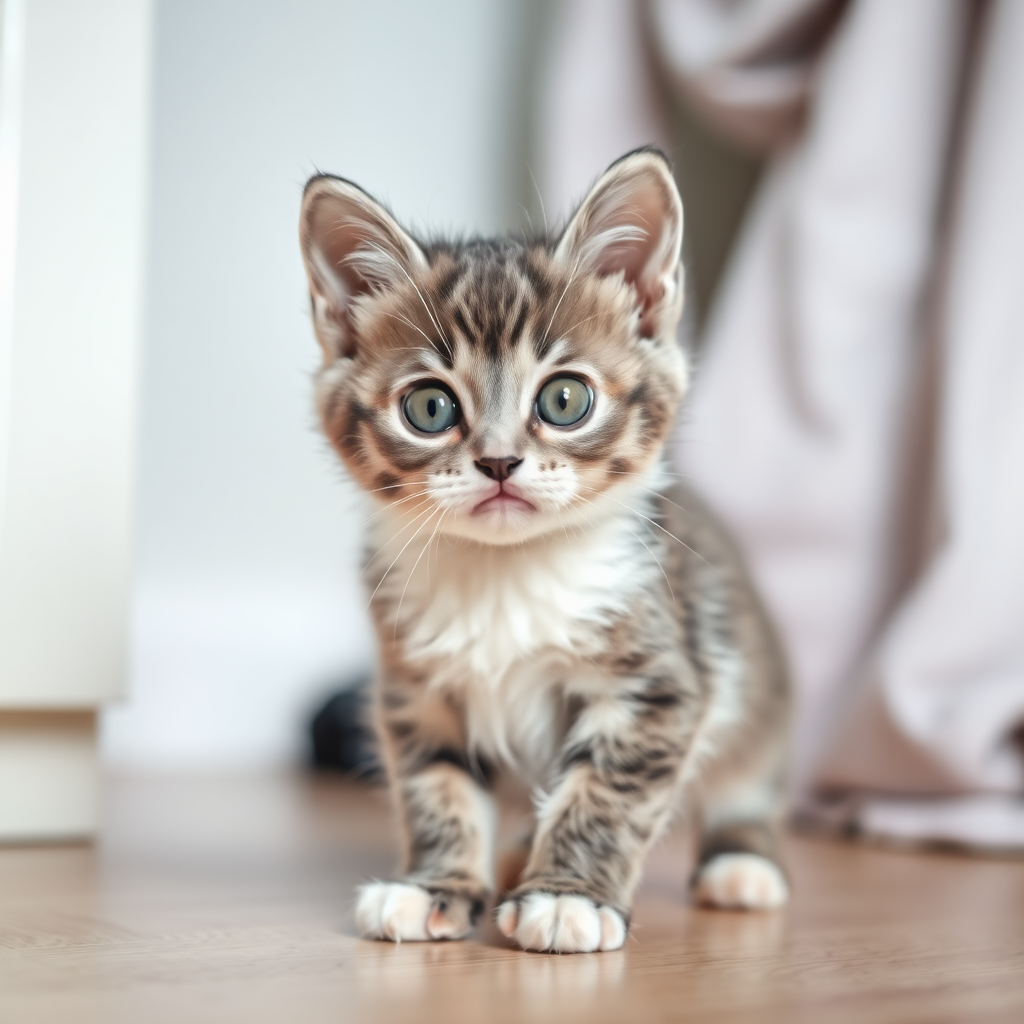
573, 617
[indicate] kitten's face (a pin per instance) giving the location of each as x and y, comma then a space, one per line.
499, 391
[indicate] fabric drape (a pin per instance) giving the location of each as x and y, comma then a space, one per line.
858, 412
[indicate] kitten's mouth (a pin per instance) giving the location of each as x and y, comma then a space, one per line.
503, 501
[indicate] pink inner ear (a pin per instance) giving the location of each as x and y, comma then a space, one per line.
642, 211
351, 245
337, 240
359, 244
628, 256
632, 220
635, 258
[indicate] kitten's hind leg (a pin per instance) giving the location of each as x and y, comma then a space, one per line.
738, 865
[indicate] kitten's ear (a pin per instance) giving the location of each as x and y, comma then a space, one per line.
631, 223
351, 245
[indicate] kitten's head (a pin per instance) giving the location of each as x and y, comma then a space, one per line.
499, 390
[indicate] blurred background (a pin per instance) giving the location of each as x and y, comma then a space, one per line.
178, 548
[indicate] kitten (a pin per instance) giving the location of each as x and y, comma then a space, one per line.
544, 599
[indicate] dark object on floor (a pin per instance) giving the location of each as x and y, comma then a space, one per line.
343, 740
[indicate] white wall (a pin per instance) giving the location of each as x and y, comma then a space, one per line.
246, 602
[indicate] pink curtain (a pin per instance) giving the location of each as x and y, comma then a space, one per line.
858, 413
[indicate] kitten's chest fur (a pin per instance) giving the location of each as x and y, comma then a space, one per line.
510, 630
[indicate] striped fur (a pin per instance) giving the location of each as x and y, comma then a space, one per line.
589, 627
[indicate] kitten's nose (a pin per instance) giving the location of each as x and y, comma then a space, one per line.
498, 469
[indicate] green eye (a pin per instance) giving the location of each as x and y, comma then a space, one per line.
564, 401
431, 408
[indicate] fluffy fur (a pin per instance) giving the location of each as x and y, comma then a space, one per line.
545, 601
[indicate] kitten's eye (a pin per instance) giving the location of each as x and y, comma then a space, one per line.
431, 408
564, 401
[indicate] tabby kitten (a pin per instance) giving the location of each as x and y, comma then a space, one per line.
544, 599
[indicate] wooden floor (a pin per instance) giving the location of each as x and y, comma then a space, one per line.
224, 900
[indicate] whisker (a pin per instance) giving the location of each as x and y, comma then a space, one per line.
668, 582
579, 323
529, 219
412, 571
405, 320
398, 533
636, 512
430, 313
566, 526
437, 550
540, 199
586, 501
395, 504
400, 553
659, 494
554, 312
637, 536
387, 487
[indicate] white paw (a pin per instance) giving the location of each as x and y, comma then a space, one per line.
406, 913
741, 881
392, 910
561, 924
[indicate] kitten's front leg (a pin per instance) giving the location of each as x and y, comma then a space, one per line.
448, 818
619, 773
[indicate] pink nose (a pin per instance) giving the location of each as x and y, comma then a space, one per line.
498, 469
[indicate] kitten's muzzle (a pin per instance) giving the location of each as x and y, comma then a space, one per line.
504, 501
498, 469
505, 498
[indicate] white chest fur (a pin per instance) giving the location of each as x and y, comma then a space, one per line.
504, 626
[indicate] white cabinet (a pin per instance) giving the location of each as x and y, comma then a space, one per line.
74, 143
